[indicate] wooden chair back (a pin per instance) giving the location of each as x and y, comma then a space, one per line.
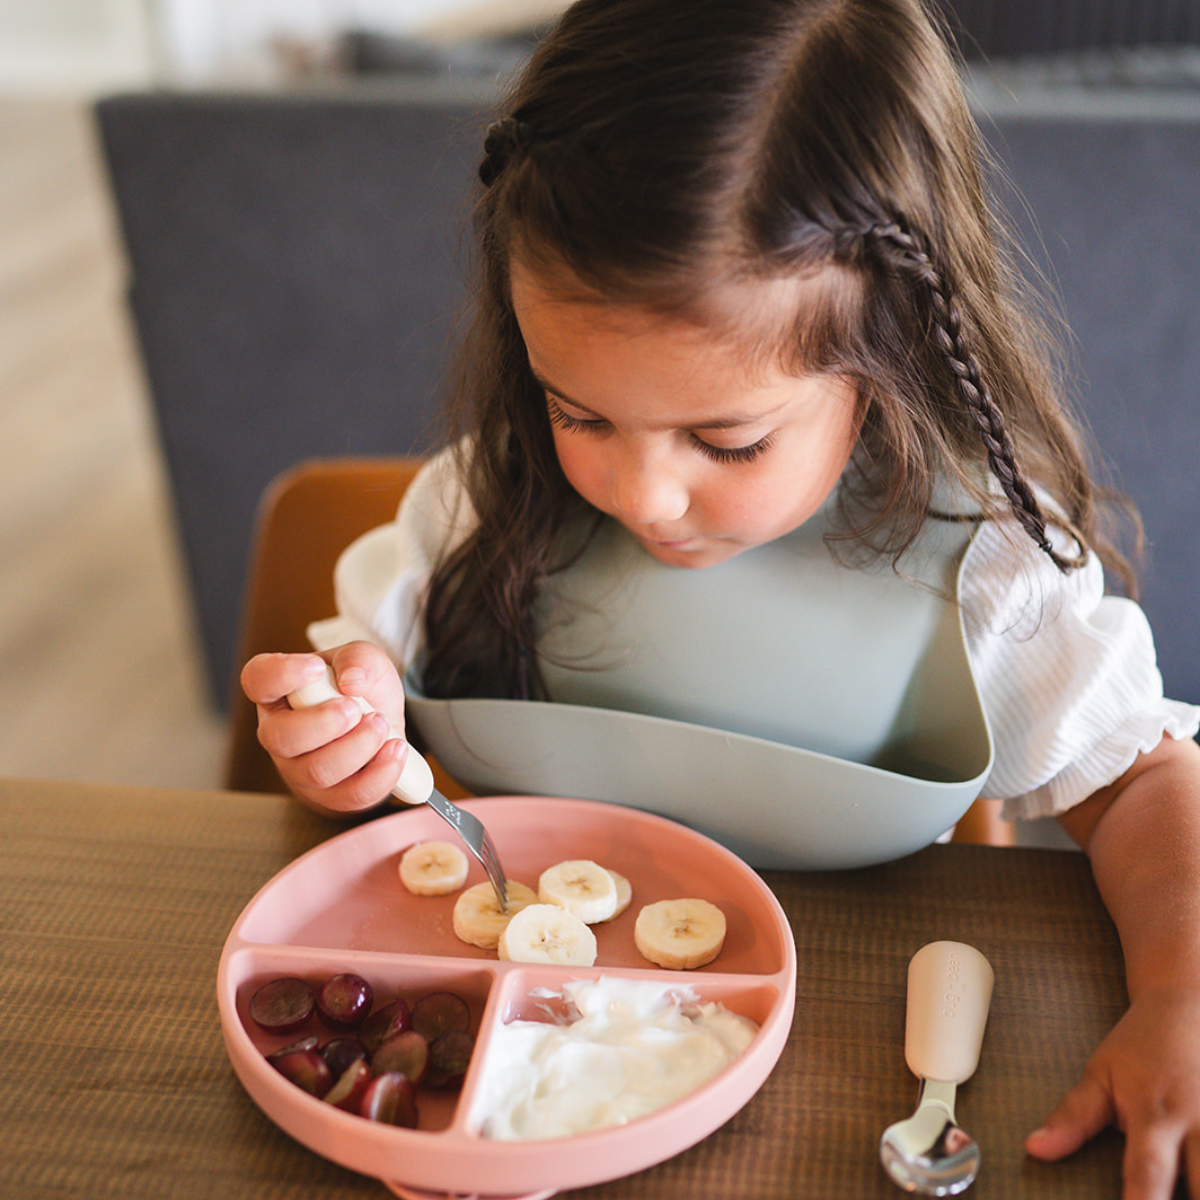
307, 517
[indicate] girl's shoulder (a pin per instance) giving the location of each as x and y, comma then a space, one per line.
1005, 579
435, 513
380, 577
1067, 672
1008, 584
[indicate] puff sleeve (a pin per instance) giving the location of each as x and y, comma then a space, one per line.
1068, 675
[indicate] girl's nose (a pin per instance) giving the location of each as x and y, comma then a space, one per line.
646, 491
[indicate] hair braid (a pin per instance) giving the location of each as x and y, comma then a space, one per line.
898, 242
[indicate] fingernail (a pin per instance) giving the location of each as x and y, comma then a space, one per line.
313, 668
353, 678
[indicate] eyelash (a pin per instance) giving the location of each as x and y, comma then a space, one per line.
719, 454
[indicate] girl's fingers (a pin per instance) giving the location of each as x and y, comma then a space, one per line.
370, 785
268, 678
1085, 1110
1191, 1162
337, 760
287, 733
1151, 1164
362, 788
363, 669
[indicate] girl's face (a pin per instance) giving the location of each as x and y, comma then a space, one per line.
699, 450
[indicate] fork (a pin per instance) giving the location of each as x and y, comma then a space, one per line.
415, 786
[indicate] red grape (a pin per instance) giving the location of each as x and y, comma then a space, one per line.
375, 1071
449, 1057
344, 1001
434, 1014
306, 1069
392, 1099
351, 1087
308, 1042
283, 1004
407, 1053
341, 1052
384, 1023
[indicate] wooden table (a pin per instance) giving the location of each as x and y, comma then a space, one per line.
115, 904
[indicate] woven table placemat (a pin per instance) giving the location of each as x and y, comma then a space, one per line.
115, 904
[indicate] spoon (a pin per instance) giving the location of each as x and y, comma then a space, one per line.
949, 991
416, 786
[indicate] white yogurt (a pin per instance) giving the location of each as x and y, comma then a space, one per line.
634, 1048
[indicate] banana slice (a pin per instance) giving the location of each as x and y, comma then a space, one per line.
624, 892
582, 887
548, 933
433, 868
477, 916
680, 934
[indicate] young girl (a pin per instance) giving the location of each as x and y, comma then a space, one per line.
746, 336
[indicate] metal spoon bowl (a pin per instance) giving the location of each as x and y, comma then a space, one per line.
929, 1153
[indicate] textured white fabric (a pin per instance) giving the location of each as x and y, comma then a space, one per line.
1067, 675
379, 581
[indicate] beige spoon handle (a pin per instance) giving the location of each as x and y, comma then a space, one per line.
415, 784
949, 992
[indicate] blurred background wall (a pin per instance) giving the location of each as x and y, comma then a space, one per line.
256, 140
76, 46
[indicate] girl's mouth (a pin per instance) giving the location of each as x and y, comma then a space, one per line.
671, 543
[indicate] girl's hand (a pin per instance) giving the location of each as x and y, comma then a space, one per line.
1145, 1078
1143, 840
333, 756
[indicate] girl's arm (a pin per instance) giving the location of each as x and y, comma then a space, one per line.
1142, 835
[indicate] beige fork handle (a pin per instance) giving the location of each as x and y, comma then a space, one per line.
415, 784
949, 993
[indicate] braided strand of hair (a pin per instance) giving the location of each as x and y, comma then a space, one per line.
506, 138
896, 241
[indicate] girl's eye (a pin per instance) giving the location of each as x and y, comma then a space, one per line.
732, 454
721, 454
570, 424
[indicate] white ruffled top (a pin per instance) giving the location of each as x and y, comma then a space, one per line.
1067, 675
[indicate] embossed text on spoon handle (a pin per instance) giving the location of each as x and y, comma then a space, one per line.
949, 993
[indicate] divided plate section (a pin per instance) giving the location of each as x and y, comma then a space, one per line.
346, 895
245, 970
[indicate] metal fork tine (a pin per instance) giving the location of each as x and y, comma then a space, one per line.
495, 871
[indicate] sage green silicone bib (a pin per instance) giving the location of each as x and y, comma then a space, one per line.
804, 713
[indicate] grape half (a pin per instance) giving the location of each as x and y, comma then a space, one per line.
306, 1069
341, 1052
407, 1054
344, 1001
432, 1015
351, 1087
384, 1023
392, 1099
449, 1057
283, 1005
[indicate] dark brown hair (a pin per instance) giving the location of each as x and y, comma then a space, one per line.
668, 156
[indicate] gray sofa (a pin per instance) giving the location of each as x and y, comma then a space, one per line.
296, 266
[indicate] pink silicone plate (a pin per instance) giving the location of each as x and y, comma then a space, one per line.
341, 907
